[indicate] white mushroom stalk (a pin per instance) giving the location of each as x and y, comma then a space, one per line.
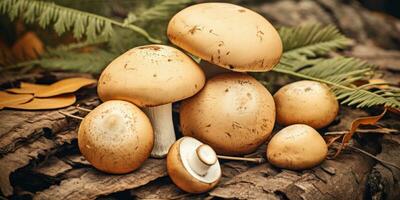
163, 127
202, 159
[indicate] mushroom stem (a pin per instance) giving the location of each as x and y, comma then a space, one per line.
255, 160
163, 127
202, 159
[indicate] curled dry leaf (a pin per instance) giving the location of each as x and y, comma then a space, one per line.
370, 120
64, 86
47, 103
29, 46
7, 99
28, 88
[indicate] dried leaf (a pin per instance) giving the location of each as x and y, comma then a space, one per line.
29, 46
47, 103
370, 120
64, 86
7, 99
28, 88
378, 83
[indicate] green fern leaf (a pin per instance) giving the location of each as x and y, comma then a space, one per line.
90, 62
311, 40
82, 23
162, 10
340, 73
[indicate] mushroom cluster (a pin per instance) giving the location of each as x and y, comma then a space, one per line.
230, 114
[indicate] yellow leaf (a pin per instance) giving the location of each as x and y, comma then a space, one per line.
29, 46
7, 99
47, 103
27, 88
64, 86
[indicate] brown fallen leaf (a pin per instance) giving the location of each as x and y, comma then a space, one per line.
370, 120
7, 99
47, 103
28, 88
64, 86
29, 46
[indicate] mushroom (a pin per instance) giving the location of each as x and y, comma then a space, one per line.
233, 114
306, 102
116, 137
297, 147
153, 76
193, 166
227, 35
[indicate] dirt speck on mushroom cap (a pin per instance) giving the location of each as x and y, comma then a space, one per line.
233, 114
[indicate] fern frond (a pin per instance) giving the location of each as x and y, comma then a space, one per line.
81, 23
311, 40
162, 10
340, 73
302, 47
87, 62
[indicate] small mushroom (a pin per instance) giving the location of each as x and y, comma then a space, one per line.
193, 166
116, 137
227, 35
233, 114
152, 77
306, 102
297, 147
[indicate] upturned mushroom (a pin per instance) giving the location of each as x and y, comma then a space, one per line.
227, 35
116, 137
297, 147
152, 77
306, 102
193, 166
233, 114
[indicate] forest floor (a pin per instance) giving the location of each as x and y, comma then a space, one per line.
39, 157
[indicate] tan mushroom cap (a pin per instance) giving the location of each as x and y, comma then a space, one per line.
116, 137
306, 102
151, 75
297, 147
181, 176
227, 35
234, 114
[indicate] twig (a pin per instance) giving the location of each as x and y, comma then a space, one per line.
379, 130
82, 109
70, 115
255, 160
385, 163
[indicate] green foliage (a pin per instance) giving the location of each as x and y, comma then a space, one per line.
88, 62
311, 40
305, 48
302, 44
82, 24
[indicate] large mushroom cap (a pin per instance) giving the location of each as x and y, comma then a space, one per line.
116, 137
297, 147
233, 114
151, 75
193, 166
306, 102
227, 35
